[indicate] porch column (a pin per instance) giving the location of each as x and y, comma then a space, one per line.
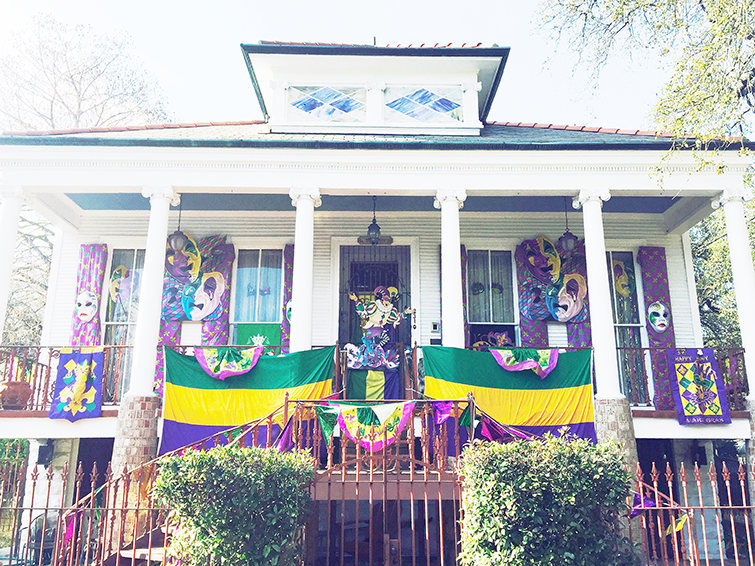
613, 415
449, 201
136, 431
742, 271
305, 200
10, 212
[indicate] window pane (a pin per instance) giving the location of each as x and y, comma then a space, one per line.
270, 286
120, 287
631, 363
247, 273
478, 286
501, 289
625, 289
136, 277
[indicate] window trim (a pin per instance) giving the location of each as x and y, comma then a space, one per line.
251, 244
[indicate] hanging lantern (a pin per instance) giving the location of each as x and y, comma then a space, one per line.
567, 241
178, 240
373, 232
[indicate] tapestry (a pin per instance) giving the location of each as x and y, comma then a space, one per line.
373, 384
376, 426
655, 287
552, 286
222, 362
197, 405
535, 406
218, 258
78, 386
86, 319
541, 362
288, 290
698, 389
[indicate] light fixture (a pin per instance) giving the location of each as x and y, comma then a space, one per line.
178, 240
373, 232
567, 241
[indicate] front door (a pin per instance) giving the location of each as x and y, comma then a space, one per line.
363, 269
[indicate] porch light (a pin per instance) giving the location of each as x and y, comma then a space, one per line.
567, 241
373, 232
178, 240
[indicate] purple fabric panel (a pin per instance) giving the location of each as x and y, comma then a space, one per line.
655, 287
288, 290
534, 333
580, 430
92, 263
706, 406
170, 335
467, 337
579, 333
177, 435
218, 256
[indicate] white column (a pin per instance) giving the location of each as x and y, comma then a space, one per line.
599, 292
449, 201
10, 213
742, 272
305, 201
151, 292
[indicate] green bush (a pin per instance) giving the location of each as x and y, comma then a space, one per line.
244, 506
529, 503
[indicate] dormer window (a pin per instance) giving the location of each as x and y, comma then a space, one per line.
441, 105
327, 104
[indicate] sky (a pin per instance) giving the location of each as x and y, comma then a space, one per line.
192, 48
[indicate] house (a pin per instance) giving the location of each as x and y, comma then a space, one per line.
400, 137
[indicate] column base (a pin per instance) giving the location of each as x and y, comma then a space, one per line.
613, 421
136, 432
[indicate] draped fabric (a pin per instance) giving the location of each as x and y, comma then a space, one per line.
223, 362
288, 288
374, 426
373, 384
170, 336
579, 332
197, 405
86, 318
78, 386
542, 362
655, 288
218, 257
533, 405
533, 332
697, 386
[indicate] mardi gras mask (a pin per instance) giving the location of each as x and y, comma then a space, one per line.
184, 265
658, 317
86, 306
623, 278
201, 298
566, 298
541, 258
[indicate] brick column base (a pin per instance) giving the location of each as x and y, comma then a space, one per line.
613, 421
136, 432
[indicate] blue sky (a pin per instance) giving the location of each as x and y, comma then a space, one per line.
192, 47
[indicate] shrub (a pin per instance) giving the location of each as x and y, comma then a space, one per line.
530, 503
242, 505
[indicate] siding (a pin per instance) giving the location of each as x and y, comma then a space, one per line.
494, 230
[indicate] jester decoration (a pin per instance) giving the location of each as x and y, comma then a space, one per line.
380, 318
548, 292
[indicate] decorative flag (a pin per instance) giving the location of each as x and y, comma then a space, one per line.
373, 384
285, 442
640, 504
222, 362
531, 405
78, 387
697, 386
677, 525
197, 405
541, 362
376, 424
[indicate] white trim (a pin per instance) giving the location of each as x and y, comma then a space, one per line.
689, 268
670, 428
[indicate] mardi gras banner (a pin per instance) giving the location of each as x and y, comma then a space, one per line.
373, 384
78, 387
699, 393
516, 398
197, 405
374, 426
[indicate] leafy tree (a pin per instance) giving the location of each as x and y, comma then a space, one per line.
711, 91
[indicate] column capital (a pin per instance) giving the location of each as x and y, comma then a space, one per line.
587, 195
12, 191
298, 193
161, 191
742, 194
443, 195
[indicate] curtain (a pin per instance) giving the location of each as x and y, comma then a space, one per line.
86, 316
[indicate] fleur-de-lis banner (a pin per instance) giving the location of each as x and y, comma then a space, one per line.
78, 387
699, 393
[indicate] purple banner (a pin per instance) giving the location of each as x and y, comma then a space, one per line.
86, 318
288, 289
78, 387
699, 392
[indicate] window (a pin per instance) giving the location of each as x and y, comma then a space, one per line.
490, 296
258, 308
120, 315
626, 318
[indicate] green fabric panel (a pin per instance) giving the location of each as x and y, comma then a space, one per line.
271, 372
480, 368
328, 417
366, 416
271, 332
356, 386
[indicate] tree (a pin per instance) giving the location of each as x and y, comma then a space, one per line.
711, 91
61, 77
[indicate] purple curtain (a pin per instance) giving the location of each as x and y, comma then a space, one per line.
534, 333
86, 316
218, 256
579, 333
656, 290
170, 335
288, 289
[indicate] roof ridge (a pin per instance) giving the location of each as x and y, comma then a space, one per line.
600, 130
105, 129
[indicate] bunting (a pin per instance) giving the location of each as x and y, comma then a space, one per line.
373, 426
